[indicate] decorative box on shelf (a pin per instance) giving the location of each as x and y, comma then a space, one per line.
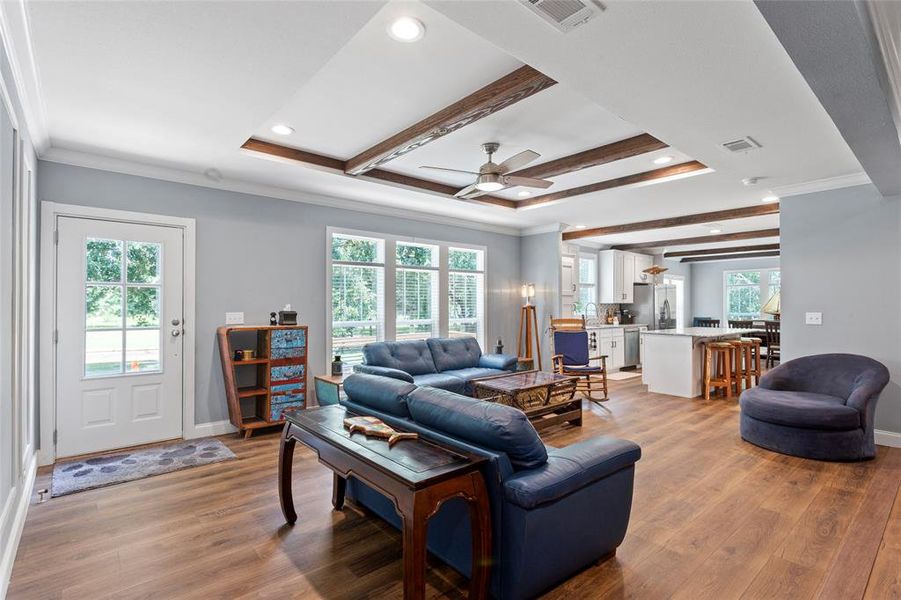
261, 389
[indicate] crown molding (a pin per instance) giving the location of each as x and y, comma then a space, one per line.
16, 33
127, 167
549, 228
822, 185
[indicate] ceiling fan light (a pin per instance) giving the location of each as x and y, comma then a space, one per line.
489, 182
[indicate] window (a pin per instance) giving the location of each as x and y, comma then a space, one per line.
588, 278
358, 282
122, 307
416, 291
370, 272
747, 291
466, 293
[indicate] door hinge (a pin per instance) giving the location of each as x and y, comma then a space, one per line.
55, 436
56, 236
56, 336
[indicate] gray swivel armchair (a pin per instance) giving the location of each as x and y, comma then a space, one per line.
820, 406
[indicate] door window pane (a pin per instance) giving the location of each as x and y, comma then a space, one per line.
416, 299
143, 262
103, 306
466, 294
142, 350
357, 314
103, 353
104, 260
143, 307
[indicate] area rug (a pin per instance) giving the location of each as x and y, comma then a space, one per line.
621, 375
74, 476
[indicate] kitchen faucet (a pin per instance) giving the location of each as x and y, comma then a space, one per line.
595, 308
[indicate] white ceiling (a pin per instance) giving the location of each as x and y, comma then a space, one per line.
180, 85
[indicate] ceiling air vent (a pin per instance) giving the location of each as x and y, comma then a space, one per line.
564, 15
744, 144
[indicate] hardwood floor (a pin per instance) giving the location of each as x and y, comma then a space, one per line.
713, 517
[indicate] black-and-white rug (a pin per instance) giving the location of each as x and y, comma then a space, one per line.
109, 469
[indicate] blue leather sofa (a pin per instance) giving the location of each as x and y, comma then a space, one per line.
820, 407
446, 363
554, 511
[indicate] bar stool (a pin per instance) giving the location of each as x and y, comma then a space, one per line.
742, 370
755, 369
718, 360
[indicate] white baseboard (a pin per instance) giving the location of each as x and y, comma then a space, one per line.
888, 438
21, 495
209, 429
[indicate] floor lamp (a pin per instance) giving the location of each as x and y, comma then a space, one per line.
528, 327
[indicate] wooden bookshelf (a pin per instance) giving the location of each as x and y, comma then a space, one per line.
261, 390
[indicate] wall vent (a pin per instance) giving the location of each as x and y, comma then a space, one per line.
564, 15
745, 144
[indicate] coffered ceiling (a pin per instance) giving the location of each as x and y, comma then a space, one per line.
177, 88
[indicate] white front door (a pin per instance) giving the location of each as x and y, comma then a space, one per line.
119, 313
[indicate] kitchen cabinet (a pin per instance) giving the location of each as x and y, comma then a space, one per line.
569, 284
619, 272
609, 341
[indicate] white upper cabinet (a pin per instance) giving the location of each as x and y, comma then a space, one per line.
619, 272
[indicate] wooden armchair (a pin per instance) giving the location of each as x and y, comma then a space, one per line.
572, 357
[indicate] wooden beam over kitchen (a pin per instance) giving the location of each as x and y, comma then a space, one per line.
729, 256
696, 219
627, 148
722, 250
510, 89
671, 171
319, 160
703, 239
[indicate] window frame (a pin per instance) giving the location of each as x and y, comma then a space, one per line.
389, 300
593, 258
763, 286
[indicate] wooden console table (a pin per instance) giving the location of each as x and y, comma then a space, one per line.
417, 474
548, 399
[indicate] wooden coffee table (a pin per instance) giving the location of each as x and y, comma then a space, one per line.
417, 475
548, 399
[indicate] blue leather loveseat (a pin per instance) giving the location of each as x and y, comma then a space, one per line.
445, 363
554, 511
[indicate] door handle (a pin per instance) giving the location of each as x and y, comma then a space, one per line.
176, 322
176, 332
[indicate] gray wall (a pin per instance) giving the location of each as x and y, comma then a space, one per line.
541, 257
707, 283
255, 254
841, 255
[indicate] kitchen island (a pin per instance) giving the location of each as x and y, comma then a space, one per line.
672, 360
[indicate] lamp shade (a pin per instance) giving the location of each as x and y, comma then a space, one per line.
772, 305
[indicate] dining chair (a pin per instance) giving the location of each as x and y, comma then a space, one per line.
773, 353
703, 322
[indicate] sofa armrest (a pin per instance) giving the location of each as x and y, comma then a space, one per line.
570, 469
384, 372
504, 362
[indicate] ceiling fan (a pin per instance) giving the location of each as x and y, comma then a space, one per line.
492, 177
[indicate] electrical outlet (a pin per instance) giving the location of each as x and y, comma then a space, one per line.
234, 318
813, 318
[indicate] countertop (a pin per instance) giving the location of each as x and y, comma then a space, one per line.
700, 332
620, 326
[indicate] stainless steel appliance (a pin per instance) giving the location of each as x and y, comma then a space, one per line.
656, 305
632, 351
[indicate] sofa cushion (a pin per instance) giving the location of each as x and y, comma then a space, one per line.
384, 372
570, 469
504, 362
799, 409
467, 375
485, 424
414, 357
441, 381
384, 394
450, 354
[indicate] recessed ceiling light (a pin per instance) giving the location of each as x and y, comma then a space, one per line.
716, 230
281, 129
770, 199
406, 29
580, 226
663, 160
524, 194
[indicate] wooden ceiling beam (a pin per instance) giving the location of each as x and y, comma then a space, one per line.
671, 171
722, 250
510, 89
319, 160
729, 256
696, 219
627, 148
703, 239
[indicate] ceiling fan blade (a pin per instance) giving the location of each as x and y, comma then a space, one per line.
451, 170
517, 161
465, 192
512, 180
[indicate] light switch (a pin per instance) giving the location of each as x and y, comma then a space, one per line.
234, 318
813, 318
